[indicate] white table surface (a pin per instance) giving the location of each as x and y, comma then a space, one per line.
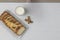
46, 21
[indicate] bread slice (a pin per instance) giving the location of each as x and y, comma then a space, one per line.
12, 23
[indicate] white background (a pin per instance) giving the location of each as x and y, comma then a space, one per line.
46, 21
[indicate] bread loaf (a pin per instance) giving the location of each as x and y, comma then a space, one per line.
12, 23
